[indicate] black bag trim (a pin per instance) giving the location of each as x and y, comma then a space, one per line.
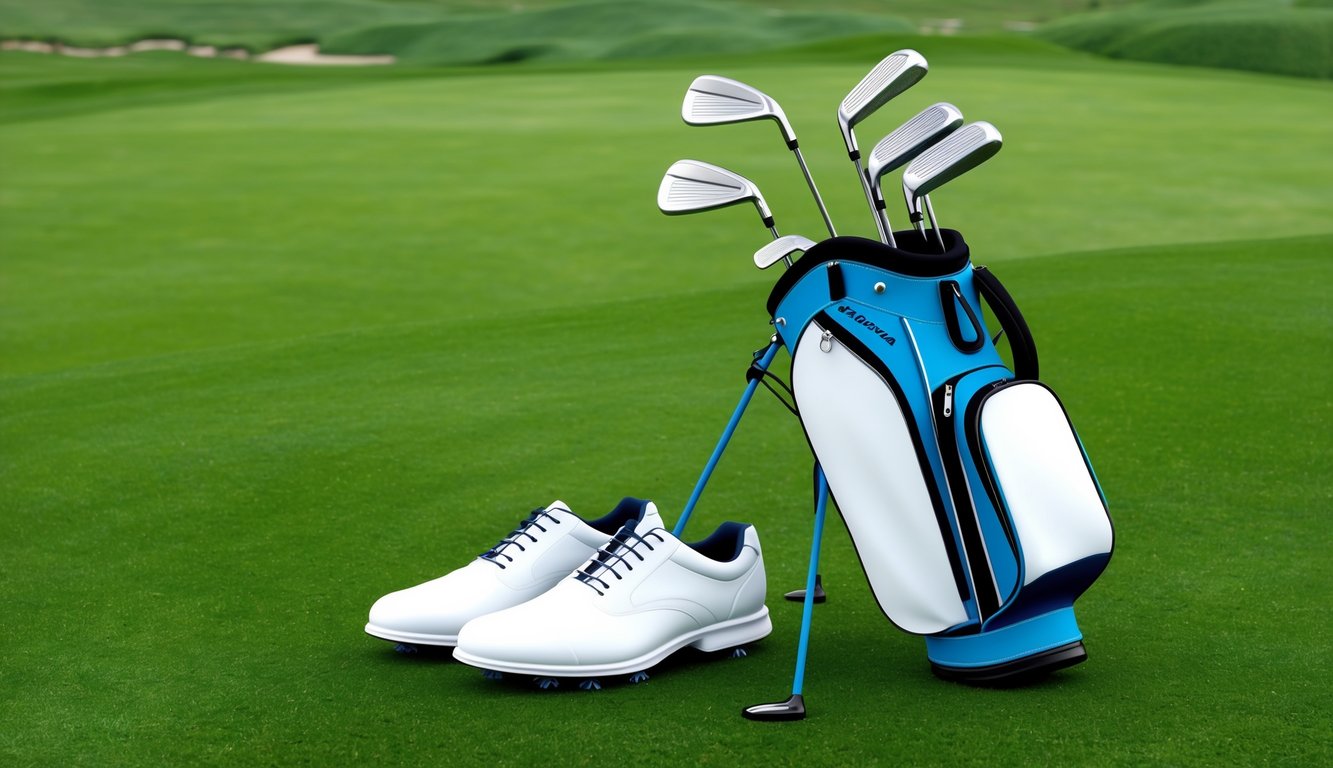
914, 256
1021, 343
951, 298
826, 323
837, 285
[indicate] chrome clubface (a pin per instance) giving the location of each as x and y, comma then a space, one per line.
691, 185
715, 100
894, 74
960, 152
912, 138
781, 250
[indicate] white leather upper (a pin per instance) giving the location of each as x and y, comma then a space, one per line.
672, 592
440, 607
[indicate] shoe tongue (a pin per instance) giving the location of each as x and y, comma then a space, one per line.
651, 519
558, 505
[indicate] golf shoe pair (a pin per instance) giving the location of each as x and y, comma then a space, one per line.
564, 597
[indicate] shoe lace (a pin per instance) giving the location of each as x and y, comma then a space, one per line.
523, 531
612, 555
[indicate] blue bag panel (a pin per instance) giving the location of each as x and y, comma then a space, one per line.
1053, 629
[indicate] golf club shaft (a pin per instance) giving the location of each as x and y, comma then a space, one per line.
885, 236
819, 201
786, 260
934, 225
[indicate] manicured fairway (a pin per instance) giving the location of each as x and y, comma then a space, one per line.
275, 343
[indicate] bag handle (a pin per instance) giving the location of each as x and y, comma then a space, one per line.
1011, 320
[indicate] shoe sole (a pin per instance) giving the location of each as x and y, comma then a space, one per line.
413, 638
716, 637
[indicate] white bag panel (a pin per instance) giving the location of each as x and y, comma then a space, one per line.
1058, 513
862, 442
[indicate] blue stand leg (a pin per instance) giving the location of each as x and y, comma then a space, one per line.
807, 612
794, 707
761, 364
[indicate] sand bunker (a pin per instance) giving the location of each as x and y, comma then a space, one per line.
307, 54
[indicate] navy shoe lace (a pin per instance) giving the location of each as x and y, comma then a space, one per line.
533, 520
614, 554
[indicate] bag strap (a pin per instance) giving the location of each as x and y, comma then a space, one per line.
1021, 343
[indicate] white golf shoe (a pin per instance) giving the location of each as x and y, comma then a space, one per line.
545, 548
644, 595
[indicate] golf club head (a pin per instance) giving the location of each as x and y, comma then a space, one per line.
894, 74
780, 249
958, 153
715, 100
690, 186
909, 140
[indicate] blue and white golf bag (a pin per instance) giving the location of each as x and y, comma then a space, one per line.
970, 501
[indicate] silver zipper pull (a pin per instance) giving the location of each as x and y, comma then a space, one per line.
826, 343
948, 400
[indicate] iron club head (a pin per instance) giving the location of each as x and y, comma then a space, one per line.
781, 250
715, 100
958, 153
910, 139
894, 74
690, 186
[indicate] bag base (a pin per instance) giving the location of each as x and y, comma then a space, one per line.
1013, 655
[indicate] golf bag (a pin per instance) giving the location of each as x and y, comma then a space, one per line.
971, 503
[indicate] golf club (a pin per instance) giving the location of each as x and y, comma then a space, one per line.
896, 73
960, 152
714, 100
906, 142
781, 250
690, 186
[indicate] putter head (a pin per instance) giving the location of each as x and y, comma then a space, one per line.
715, 100
958, 153
780, 249
894, 74
690, 186
909, 140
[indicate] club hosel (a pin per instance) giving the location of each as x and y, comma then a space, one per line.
792, 144
849, 139
768, 222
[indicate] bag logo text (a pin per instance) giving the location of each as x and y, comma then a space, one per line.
868, 323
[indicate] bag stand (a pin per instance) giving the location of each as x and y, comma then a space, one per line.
794, 707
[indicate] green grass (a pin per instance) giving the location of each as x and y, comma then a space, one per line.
273, 343
1273, 36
